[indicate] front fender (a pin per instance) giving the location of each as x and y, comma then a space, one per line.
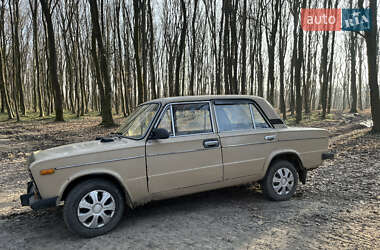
97, 172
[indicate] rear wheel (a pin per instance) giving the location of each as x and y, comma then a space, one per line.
280, 182
93, 207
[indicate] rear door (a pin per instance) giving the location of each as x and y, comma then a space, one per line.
246, 138
191, 156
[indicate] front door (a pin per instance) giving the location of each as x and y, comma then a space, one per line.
246, 139
192, 154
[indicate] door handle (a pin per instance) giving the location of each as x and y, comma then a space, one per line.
270, 137
212, 143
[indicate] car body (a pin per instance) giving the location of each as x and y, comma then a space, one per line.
176, 146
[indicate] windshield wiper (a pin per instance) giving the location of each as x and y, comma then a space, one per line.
119, 135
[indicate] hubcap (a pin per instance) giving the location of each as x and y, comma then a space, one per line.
283, 181
96, 209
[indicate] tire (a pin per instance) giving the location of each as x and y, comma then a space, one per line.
281, 180
90, 218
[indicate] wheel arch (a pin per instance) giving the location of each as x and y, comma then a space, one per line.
116, 180
291, 156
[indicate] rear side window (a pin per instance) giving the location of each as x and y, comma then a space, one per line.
233, 117
194, 118
258, 118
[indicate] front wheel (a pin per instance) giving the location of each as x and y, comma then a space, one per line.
280, 182
94, 207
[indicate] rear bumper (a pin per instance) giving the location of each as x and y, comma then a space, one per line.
33, 199
327, 156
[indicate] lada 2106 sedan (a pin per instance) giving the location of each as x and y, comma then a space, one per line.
171, 147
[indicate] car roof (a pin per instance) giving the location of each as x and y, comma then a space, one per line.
201, 98
265, 106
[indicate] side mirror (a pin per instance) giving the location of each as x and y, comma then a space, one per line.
159, 133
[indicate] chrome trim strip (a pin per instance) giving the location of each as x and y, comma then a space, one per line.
214, 126
182, 152
179, 136
172, 118
142, 178
249, 132
247, 144
245, 161
186, 170
252, 116
257, 143
213, 111
303, 139
99, 162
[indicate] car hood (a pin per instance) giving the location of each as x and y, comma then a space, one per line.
81, 148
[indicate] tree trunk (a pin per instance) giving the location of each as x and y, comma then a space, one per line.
36, 71
244, 50
360, 77
295, 13
282, 53
330, 71
151, 52
234, 48
372, 47
136, 42
181, 49
53, 62
107, 119
271, 42
297, 75
226, 47
194, 49
354, 93
3, 87
324, 74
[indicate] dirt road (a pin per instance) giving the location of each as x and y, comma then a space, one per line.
339, 207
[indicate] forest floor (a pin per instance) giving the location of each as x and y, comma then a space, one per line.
339, 207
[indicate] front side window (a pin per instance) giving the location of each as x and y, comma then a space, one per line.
194, 118
233, 117
137, 124
259, 119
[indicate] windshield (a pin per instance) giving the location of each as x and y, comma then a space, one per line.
137, 123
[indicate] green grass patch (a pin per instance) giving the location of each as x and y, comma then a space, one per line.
3, 117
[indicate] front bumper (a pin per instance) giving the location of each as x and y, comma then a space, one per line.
33, 199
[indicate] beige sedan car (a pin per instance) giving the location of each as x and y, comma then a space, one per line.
171, 147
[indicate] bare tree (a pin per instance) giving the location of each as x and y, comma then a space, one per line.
3, 87
181, 48
34, 10
271, 42
47, 10
354, 93
282, 47
244, 49
193, 48
16, 55
151, 52
104, 82
373, 66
